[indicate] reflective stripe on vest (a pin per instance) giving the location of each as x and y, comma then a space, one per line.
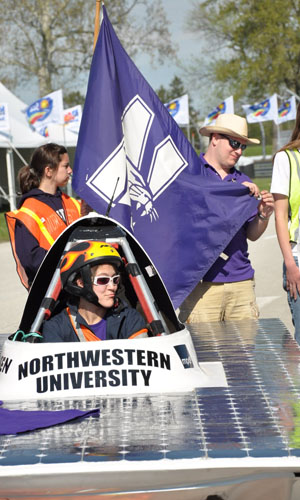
294, 194
141, 334
72, 208
43, 230
77, 204
11, 223
43, 222
82, 332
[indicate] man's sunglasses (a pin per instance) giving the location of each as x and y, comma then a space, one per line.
235, 144
104, 280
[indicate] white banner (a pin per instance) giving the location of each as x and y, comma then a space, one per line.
264, 111
226, 106
48, 109
287, 111
179, 110
72, 118
68, 369
4, 118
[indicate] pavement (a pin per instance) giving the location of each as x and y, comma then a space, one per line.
265, 256
12, 293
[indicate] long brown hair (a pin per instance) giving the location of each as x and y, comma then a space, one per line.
30, 176
294, 142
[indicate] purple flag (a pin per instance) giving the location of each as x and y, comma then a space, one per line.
16, 421
130, 145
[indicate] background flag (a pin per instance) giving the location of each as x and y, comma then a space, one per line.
287, 110
48, 109
4, 118
128, 142
179, 110
72, 118
225, 107
262, 112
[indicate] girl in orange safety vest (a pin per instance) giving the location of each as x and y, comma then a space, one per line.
44, 211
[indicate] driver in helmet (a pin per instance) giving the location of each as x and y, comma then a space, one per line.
90, 275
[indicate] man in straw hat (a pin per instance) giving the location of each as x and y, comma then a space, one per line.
227, 290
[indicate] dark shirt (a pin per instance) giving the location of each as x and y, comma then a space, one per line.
28, 249
121, 323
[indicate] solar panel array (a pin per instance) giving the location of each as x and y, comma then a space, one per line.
258, 415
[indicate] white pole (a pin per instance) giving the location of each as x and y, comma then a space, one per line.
6, 138
278, 136
193, 140
263, 140
293, 93
189, 133
11, 171
11, 179
69, 185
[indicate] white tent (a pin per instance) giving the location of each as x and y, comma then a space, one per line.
20, 135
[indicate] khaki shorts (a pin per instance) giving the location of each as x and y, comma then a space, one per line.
220, 302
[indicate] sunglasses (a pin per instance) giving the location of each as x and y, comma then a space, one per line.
234, 144
104, 280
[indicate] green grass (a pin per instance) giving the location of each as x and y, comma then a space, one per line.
262, 183
3, 229
256, 150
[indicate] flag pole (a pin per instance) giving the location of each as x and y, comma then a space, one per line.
263, 139
85, 208
97, 22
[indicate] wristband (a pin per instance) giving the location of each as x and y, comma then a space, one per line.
262, 217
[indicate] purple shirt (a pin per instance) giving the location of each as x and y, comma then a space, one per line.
99, 329
237, 267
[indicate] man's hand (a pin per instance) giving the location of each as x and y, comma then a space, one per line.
266, 206
264, 210
254, 190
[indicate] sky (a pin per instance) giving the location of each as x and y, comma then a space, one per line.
176, 13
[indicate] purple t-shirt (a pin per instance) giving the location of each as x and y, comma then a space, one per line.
237, 267
99, 329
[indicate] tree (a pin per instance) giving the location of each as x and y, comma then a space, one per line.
51, 41
252, 46
177, 89
73, 99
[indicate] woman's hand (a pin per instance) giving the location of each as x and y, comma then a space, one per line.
293, 280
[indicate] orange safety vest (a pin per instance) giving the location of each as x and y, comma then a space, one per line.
42, 222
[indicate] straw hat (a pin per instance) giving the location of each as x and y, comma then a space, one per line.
232, 125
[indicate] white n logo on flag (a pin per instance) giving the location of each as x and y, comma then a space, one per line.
126, 161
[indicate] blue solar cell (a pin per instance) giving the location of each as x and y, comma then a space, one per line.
255, 416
